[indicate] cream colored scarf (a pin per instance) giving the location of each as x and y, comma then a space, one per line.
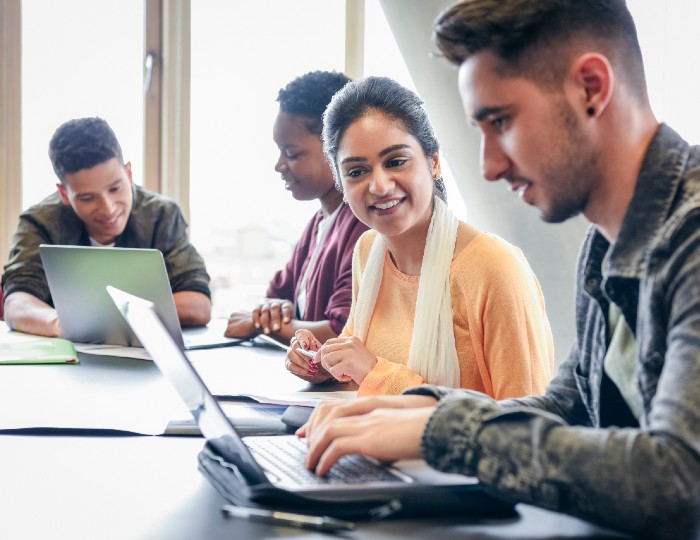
433, 353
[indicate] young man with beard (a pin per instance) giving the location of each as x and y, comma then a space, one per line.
557, 89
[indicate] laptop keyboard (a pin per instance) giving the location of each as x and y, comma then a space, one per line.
284, 457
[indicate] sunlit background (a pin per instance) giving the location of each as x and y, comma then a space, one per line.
78, 62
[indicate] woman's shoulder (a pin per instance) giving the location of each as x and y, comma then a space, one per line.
487, 254
364, 244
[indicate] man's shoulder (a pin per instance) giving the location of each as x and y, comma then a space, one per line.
49, 206
683, 217
55, 219
149, 203
146, 197
682, 223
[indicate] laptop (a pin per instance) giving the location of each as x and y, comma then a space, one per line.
270, 464
77, 277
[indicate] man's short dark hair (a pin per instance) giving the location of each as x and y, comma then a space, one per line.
82, 143
308, 95
537, 39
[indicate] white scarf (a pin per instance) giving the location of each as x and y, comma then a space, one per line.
433, 354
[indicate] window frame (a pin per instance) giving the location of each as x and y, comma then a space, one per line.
159, 15
166, 153
10, 122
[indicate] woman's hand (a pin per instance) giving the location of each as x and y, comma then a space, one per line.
302, 366
271, 314
346, 358
268, 316
371, 426
240, 325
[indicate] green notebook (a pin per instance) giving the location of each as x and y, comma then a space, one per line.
19, 348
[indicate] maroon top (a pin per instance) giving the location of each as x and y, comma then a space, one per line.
329, 289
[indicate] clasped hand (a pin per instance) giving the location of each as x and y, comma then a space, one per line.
268, 316
344, 358
302, 366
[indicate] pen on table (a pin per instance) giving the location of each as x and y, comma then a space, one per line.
308, 354
320, 523
272, 341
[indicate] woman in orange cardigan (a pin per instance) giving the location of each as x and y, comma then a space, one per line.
434, 299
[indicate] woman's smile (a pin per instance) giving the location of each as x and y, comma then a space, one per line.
386, 207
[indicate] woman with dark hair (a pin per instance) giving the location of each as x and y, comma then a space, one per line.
315, 287
434, 299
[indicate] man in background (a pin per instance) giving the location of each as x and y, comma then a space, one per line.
97, 204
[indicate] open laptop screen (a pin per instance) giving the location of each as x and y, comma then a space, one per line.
176, 367
77, 277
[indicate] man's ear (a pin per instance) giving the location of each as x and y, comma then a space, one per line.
63, 193
594, 78
127, 168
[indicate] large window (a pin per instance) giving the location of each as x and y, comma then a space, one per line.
79, 58
242, 219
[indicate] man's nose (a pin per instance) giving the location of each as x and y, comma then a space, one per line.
494, 162
106, 204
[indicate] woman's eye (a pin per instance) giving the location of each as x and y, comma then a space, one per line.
396, 162
353, 173
288, 153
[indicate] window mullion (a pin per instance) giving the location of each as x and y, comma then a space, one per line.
10, 122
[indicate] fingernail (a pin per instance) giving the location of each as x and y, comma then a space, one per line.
266, 330
275, 326
257, 325
303, 344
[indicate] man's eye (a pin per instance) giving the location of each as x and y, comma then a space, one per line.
499, 123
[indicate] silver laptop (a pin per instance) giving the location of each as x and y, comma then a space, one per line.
77, 277
278, 459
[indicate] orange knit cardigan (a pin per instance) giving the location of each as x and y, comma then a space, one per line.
503, 338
